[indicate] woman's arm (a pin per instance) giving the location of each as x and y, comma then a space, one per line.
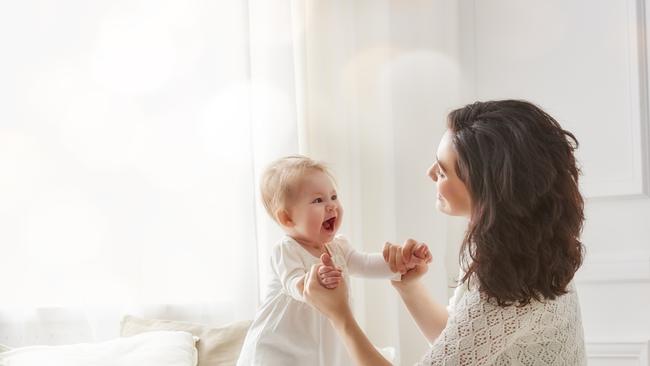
429, 316
373, 265
333, 303
357, 343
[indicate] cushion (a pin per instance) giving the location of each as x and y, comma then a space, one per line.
147, 349
217, 346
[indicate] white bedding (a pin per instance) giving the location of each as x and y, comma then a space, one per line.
163, 348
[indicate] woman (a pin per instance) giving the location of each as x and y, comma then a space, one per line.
509, 167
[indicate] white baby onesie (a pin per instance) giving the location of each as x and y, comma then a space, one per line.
287, 331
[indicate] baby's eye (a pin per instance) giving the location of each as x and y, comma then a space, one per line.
334, 197
317, 200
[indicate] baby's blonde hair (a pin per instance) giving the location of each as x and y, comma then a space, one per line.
281, 180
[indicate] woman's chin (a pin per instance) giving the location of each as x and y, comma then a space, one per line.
443, 208
440, 205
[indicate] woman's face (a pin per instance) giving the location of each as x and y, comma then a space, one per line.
453, 196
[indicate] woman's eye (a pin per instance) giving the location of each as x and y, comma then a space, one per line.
317, 200
334, 197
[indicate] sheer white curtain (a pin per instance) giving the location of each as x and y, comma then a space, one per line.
132, 134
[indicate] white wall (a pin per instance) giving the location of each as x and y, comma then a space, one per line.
584, 62
405, 65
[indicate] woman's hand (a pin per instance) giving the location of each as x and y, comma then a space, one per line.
333, 303
412, 261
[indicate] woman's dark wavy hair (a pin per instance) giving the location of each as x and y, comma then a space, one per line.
517, 163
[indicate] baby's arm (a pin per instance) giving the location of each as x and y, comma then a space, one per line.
328, 275
369, 265
375, 265
290, 270
292, 273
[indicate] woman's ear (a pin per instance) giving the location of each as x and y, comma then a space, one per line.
284, 218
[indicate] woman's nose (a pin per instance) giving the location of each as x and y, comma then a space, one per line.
431, 173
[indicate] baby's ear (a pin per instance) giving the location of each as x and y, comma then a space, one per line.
283, 218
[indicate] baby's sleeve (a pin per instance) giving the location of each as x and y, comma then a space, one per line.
290, 269
369, 265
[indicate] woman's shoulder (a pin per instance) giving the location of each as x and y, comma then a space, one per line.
469, 298
565, 307
539, 327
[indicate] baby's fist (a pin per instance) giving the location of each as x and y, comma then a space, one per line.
328, 275
420, 255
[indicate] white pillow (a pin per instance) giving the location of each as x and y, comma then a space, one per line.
217, 346
165, 348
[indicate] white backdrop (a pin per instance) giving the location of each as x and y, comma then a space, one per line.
586, 63
131, 137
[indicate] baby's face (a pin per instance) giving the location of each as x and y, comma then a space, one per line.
317, 212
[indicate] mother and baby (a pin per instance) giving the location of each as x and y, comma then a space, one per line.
509, 168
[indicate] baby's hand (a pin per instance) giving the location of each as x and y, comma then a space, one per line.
420, 254
328, 275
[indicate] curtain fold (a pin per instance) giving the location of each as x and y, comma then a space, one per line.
130, 160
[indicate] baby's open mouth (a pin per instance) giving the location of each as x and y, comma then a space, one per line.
329, 224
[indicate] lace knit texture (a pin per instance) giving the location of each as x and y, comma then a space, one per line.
479, 332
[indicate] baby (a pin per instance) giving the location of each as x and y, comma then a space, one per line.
300, 195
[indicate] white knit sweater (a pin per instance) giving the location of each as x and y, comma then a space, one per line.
479, 332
